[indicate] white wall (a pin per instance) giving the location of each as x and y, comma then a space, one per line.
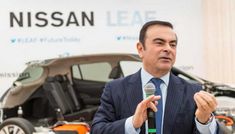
219, 40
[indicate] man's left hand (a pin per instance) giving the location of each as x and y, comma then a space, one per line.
206, 104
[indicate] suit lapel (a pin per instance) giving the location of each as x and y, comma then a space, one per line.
134, 91
174, 99
134, 94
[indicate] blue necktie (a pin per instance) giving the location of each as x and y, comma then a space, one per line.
157, 82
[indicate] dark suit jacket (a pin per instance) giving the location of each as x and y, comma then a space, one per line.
121, 97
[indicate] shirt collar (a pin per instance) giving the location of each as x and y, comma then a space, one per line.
146, 77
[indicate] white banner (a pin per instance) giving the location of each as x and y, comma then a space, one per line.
34, 30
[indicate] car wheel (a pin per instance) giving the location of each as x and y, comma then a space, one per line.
16, 126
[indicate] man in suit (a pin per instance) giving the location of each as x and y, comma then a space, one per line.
185, 108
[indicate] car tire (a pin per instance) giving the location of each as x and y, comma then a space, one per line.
16, 126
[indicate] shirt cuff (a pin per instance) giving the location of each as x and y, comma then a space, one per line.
129, 128
208, 128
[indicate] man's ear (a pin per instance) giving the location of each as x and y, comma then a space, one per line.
140, 49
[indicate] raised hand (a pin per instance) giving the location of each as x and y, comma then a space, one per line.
206, 104
140, 115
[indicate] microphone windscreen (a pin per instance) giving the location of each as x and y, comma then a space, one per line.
149, 89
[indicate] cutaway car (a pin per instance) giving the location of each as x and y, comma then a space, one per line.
61, 95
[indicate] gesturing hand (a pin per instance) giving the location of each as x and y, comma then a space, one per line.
140, 115
206, 104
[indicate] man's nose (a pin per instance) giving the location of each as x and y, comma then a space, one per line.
167, 47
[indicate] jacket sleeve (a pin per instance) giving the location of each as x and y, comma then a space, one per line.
105, 120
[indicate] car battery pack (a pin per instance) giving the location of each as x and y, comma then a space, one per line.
72, 129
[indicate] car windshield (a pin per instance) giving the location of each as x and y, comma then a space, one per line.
30, 74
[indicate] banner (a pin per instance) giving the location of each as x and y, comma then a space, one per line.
36, 30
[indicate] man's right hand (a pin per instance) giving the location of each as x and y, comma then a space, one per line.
140, 115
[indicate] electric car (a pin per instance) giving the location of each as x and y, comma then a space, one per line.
61, 95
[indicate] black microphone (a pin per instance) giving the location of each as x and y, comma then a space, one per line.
149, 89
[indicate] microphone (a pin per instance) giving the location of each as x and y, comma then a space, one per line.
149, 89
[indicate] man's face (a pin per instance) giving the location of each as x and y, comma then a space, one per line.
159, 53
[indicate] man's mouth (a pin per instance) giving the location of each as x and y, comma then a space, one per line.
165, 58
